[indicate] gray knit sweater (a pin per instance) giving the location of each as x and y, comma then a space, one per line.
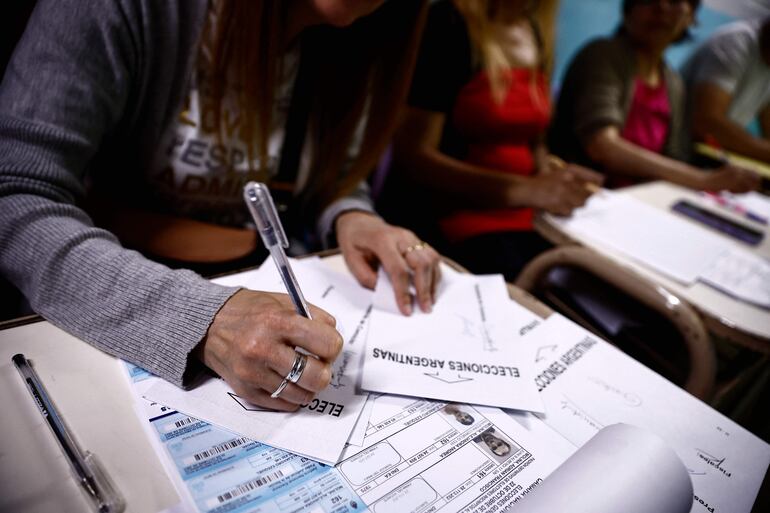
90, 89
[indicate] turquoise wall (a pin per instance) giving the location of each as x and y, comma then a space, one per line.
582, 20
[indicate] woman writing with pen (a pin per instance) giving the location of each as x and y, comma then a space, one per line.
472, 142
152, 115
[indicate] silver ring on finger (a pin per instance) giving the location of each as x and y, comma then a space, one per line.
297, 368
280, 388
300, 361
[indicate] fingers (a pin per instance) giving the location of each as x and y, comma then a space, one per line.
292, 393
398, 271
733, 179
315, 377
261, 397
315, 337
319, 314
436, 281
424, 264
586, 175
566, 196
360, 268
366, 239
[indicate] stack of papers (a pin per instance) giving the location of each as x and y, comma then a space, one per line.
673, 246
412, 421
463, 351
587, 384
333, 414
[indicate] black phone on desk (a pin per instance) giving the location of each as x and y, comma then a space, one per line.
720, 223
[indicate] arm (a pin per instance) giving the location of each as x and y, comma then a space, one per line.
66, 88
417, 152
710, 107
607, 147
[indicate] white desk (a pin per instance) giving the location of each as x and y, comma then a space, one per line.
724, 315
94, 398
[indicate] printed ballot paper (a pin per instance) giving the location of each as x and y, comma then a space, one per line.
587, 384
423, 455
332, 415
466, 350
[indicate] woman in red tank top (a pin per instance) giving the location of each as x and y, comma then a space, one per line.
472, 139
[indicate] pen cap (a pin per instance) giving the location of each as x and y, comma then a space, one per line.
110, 500
262, 209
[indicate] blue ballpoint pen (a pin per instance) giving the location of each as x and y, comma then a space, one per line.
262, 209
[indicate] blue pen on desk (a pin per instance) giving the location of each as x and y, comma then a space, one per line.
88, 473
262, 209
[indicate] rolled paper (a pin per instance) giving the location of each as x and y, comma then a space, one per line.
622, 468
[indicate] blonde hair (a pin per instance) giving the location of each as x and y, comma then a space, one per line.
481, 16
366, 70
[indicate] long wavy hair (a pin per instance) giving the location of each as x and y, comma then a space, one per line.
365, 72
481, 17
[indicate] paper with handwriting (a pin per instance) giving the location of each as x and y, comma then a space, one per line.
466, 350
587, 384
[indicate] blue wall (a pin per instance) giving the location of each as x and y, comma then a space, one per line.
582, 20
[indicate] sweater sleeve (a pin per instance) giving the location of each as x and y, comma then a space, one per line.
68, 86
599, 84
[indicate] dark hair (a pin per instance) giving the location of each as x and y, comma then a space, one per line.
365, 73
630, 4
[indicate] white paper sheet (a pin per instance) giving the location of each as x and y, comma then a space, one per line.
333, 414
431, 456
587, 384
655, 238
673, 246
466, 350
741, 274
622, 468
358, 434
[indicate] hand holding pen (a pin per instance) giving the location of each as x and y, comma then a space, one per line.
252, 342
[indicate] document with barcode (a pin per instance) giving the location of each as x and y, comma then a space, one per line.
215, 470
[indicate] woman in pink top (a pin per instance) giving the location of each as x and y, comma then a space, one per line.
621, 108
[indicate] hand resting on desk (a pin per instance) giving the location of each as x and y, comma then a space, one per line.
251, 344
